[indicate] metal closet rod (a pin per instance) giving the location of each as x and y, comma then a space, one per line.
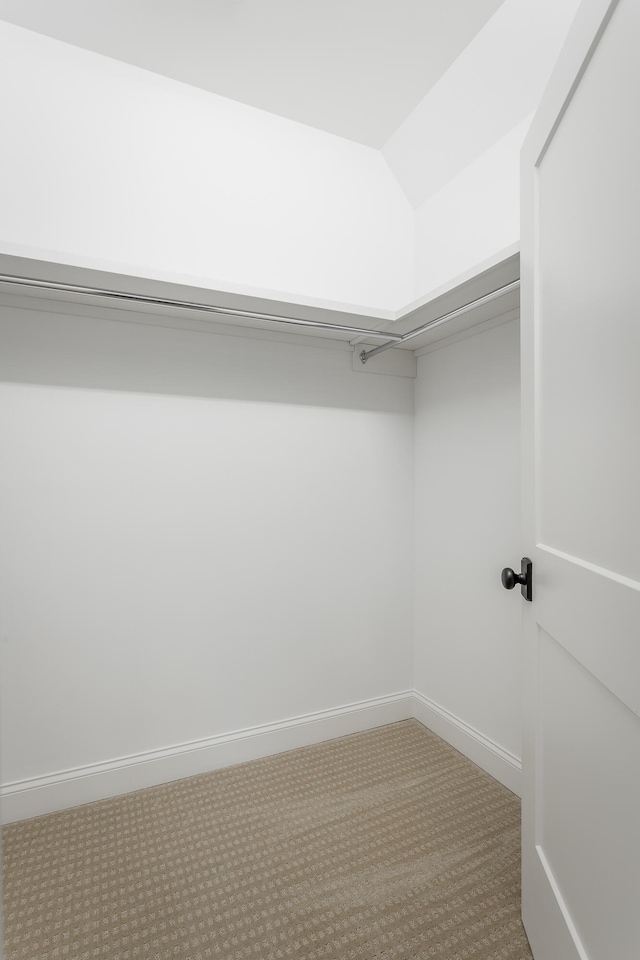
393, 339
458, 312
190, 305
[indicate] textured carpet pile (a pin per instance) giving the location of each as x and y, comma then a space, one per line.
384, 845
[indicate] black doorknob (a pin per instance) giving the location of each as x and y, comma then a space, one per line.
510, 578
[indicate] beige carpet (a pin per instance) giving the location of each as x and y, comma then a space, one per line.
385, 845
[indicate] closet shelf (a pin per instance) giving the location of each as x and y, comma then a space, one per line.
466, 302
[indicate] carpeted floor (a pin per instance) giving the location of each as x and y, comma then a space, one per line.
385, 845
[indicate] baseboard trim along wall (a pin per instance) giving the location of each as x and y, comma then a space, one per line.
69, 788
486, 753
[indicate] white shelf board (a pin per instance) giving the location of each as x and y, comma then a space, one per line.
475, 283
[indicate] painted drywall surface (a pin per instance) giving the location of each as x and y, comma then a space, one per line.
118, 168
353, 68
191, 560
475, 215
467, 454
494, 84
457, 154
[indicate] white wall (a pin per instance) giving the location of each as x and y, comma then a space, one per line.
118, 168
110, 166
456, 155
467, 488
494, 84
474, 215
183, 552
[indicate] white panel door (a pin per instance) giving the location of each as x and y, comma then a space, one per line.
581, 421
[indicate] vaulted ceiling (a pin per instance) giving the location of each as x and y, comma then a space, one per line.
355, 68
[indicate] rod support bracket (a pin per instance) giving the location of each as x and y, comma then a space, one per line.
363, 357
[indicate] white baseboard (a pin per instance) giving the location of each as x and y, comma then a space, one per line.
484, 752
69, 788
